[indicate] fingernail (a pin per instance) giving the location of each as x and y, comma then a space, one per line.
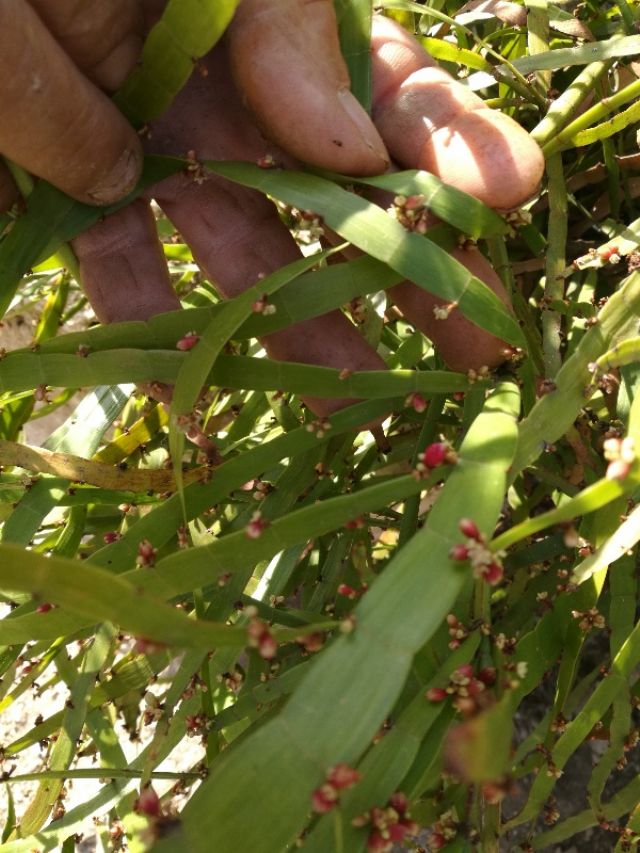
117, 183
361, 120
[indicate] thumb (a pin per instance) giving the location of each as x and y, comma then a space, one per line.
286, 60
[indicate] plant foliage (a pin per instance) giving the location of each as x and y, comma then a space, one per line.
298, 610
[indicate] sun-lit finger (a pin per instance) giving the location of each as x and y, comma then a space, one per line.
430, 121
55, 122
286, 60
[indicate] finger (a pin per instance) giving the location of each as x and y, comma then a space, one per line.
287, 63
9, 194
461, 344
122, 266
430, 121
55, 123
103, 37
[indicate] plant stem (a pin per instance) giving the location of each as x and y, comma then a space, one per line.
563, 108
555, 266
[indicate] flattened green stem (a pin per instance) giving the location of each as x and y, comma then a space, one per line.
538, 36
562, 109
554, 413
555, 265
581, 130
589, 500
98, 773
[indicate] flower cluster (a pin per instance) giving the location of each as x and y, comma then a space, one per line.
338, 779
389, 825
351, 593
486, 564
444, 830
436, 454
588, 619
465, 686
254, 529
146, 554
620, 454
411, 212
260, 637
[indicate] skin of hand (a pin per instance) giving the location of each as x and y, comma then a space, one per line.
55, 59
245, 101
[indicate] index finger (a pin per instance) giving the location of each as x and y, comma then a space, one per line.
55, 122
286, 60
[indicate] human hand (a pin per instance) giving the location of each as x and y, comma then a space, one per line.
286, 62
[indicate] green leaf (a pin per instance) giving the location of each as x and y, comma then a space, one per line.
354, 30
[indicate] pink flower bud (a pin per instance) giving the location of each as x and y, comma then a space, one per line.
469, 528
148, 803
146, 553
324, 798
436, 694
488, 675
418, 402
493, 573
45, 608
459, 552
267, 646
111, 536
399, 802
435, 454
188, 341
465, 671
342, 776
